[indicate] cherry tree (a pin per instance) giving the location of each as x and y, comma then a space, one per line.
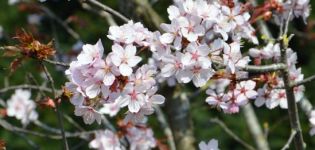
221, 48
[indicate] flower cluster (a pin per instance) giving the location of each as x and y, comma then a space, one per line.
106, 140
117, 80
301, 8
139, 137
22, 107
200, 33
271, 93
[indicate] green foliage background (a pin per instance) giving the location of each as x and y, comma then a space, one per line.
94, 27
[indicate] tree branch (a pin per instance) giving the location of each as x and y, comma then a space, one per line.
254, 128
231, 133
108, 9
59, 112
287, 145
306, 80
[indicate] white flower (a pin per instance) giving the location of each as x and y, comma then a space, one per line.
88, 113
140, 138
191, 27
211, 145
233, 57
125, 59
105, 140
22, 107
110, 108
197, 54
245, 90
131, 98
91, 53
197, 74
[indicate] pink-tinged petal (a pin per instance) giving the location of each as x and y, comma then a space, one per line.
88, 117
109, 78
118, 50
168, 70
125, 70
93, 90
203, 146
212, 100
259, 101
251, 94
134, 60
271, 104
123, 101
99, 47
173, 12
283, 104
134, 106
199, 81
167, 38
157, 99
203, 50
178, 43
115, 59
185, 76
79, 111
77, 99
130, 51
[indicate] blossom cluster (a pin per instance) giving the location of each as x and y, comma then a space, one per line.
116, 81
301, 8
139, 137
22, 107
271, 94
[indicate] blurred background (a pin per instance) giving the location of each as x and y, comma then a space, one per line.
88, 25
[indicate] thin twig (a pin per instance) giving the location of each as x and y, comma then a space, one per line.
231, 133
59, 112
9, 127
287, 145
101, 13
59, 21
56, 63
108, 9
306, 80
25, 86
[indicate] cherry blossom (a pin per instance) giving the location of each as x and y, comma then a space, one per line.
105, 140
131, 98
22, 107
88, 113
211, 145
140, 138
124, 58
312, 122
